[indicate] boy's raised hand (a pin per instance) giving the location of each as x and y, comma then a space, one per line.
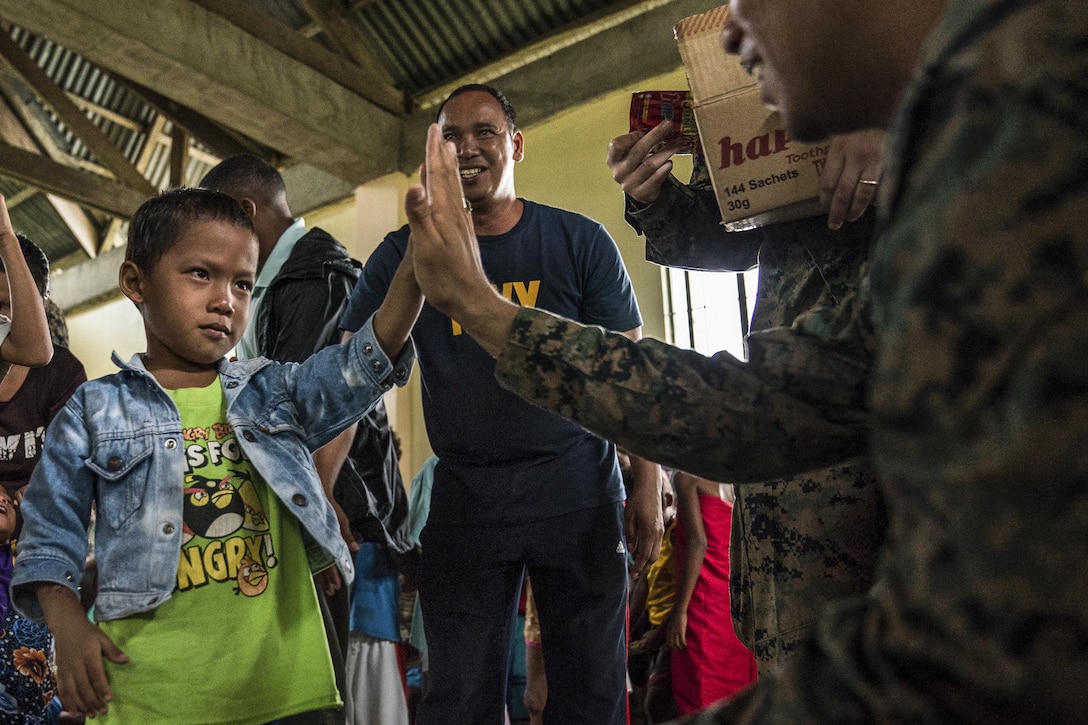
81, 677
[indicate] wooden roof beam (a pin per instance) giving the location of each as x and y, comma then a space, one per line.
370, 82
345, 37
238, 80
73, 215
97, 192
220, 141
70, 114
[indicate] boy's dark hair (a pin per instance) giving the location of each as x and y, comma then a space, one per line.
161, 220
507, 106
36, 261
245, 175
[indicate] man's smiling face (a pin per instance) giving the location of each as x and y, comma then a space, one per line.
487, 147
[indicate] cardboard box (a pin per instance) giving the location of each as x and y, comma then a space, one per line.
759, 174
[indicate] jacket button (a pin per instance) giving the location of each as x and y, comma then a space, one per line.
232, 384
368, 348
171, 444
377, 366
168, 529
248, 435
298, 499
401, 374
113, 464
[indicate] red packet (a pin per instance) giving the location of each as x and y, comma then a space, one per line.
649, 108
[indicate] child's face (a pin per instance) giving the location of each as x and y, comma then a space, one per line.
195, 301
7, 517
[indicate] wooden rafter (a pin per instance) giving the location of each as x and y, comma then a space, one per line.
373, 84
222, 142
91, 190
72, 215
70, 114
143, 160
345, 36
77, 221
179, 155
117, 118
27, 193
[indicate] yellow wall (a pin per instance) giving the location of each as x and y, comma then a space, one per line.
94, 334
564, 166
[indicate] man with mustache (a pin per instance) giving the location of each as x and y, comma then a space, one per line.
516, 488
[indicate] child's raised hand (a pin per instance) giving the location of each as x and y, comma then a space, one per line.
28, 341
7, 232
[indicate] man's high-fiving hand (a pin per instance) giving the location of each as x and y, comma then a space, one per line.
445, 254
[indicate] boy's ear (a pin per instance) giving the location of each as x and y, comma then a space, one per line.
131, 281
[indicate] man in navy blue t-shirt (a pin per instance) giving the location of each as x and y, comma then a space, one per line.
517, 488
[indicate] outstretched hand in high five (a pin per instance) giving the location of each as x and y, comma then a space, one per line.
445, 255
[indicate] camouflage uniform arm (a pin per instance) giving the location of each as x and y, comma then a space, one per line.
799, 406
683, 228
979, 397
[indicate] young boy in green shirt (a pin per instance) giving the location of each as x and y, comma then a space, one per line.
183, 452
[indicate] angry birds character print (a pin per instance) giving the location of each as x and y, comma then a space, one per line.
213, 508
252, 578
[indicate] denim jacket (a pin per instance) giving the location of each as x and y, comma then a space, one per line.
118, 444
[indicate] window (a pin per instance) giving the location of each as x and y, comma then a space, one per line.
709, 311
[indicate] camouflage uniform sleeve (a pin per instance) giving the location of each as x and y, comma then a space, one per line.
798, 406
683, 228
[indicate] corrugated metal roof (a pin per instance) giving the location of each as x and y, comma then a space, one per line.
128, 116
426, 44
36, 217
421, 44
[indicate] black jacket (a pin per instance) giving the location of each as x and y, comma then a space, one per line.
300, 312
299, 315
